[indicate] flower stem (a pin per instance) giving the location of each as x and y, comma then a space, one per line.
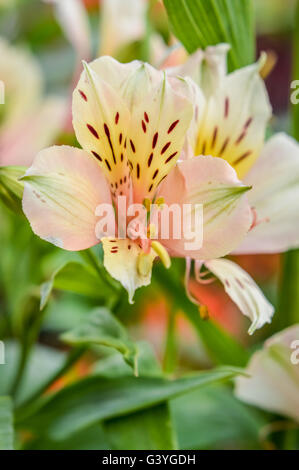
170, 354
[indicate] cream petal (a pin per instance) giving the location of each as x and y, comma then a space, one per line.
273, 375
235, 119
127, 263
275, 182
243, 291
63, 188
227, 216
101, 119
158, 127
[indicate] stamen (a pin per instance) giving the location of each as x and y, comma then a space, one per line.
160, 201
162, 253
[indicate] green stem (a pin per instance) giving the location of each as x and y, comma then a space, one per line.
288, 306
30, 335
170, 354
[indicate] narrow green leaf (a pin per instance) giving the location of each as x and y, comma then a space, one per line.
98, 398
145, 430
201, 23
103, 329
6, 424
78, 278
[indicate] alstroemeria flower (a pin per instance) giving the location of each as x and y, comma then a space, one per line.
121, 24
232, 112
273, 375
131, 121
27, 121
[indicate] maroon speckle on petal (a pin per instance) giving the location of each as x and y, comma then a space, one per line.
155, 174
143, 126
224, 146
96, 155
138, 170
150, 159
132, 146
116, 118
248, 122
171, 157
155, 139
240, 159
146, 117
173, 125
108, 165
93, 131
226, 107
83, 95
166, 146
214, 136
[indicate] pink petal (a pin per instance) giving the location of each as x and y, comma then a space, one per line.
63, 187
227, 217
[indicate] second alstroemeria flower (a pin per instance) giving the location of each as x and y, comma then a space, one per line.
131, 122
231, 115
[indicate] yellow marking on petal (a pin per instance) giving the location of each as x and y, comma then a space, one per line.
204, 312
162, 253
144, 264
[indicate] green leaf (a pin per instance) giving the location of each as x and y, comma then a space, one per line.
115, 366
212, 418
93, 438
146, 430
103, 329
11, 189
6, 424
97, 398
78, 278
202, 23
42, 364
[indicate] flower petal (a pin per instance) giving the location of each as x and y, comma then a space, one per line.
101, 119
20, 143
63, 187
243, 291
127, 263
275, 191
159, 123
73, 19
235, 121
121, 23
226, 213
273, 380
22, 77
